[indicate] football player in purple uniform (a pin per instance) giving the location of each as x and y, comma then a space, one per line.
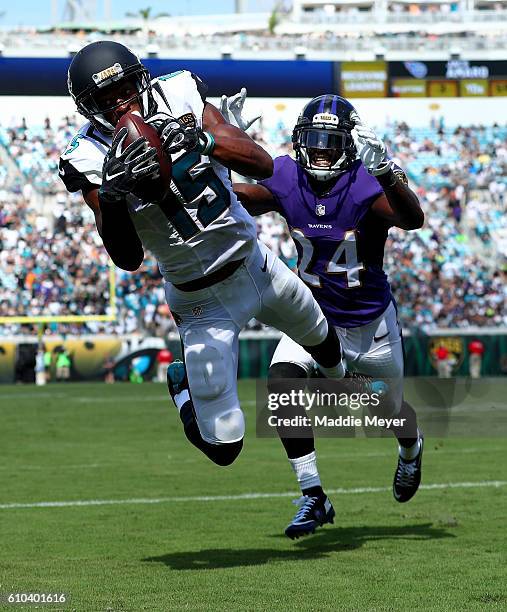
339, 196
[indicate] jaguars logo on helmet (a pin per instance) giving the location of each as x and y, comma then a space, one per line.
322, 137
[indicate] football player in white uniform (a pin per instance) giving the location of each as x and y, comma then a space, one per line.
217, 276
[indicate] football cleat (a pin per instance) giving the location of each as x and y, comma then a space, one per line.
313, 512
362, 383
357, 382
407, 476
176, 378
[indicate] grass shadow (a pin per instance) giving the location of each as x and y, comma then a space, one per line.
318, 546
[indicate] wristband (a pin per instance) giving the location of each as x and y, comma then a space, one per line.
109, 199
206, 143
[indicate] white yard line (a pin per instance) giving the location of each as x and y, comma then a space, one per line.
214, 498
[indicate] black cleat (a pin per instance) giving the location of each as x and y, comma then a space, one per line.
357, 382
361, 383
313, 512
407, 476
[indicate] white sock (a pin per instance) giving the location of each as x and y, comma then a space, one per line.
410, 453
337, 371
306, 471
181, 398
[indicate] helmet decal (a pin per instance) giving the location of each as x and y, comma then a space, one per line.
326, 118
108, 74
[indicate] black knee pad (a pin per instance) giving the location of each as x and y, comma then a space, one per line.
223, 454
329, 352
284, 371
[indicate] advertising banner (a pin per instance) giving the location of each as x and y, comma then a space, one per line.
443, 89
473, 87
408, 88
498, 88
363, 79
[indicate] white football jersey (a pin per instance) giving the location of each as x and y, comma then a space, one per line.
195, 234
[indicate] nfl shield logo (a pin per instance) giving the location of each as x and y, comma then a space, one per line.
320, 209
197, 311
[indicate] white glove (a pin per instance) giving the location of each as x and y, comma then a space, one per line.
232, 108
370, 149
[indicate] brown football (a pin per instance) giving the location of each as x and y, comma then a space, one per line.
149, 190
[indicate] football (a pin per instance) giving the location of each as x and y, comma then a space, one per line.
149, 190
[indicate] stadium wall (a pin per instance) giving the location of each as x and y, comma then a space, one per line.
89, 353
287, 78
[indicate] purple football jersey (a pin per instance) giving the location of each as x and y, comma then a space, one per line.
340, 242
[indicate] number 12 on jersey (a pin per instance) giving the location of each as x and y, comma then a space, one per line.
343, 261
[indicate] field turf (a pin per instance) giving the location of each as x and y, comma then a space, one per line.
174, 546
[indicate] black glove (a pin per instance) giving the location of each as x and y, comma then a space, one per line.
123, 170
176, 136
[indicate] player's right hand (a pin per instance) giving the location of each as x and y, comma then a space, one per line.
232, 110
124, 169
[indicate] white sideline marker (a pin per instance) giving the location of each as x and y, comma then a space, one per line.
213, 498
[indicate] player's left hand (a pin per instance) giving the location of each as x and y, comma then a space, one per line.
371, 150
177, 136
232, 110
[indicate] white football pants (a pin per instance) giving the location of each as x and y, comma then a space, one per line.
209, 324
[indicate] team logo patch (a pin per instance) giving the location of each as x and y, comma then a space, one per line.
197, 311
113, 71
320, 210
455, 346
188, 119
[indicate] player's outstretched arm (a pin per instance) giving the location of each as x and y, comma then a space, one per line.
235, 149
257, 199
117, 231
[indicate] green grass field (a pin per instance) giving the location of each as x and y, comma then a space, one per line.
444, 550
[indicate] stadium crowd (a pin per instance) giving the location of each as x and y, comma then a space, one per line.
179, 38
452, 273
